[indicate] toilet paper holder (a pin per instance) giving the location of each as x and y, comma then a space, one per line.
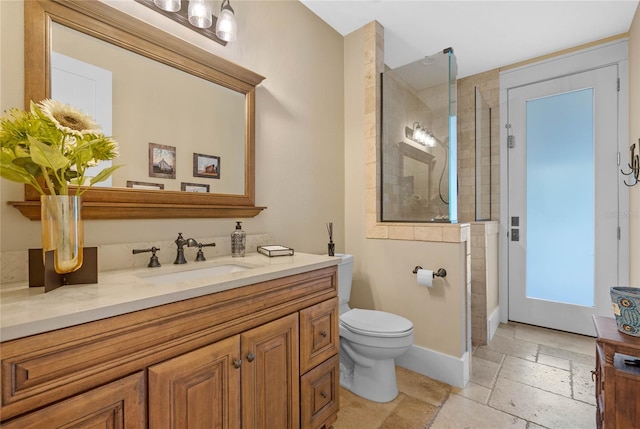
440, 273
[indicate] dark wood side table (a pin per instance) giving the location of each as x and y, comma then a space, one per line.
617, 381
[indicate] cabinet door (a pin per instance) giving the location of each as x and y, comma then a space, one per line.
120, 404
320, 394
200, 389
270, 375
319, 334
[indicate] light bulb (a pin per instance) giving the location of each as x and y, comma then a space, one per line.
168, 5
226, 26
200, 13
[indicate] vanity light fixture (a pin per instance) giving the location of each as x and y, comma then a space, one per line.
198, 16
420, 134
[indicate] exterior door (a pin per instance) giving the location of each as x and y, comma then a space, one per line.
563, 199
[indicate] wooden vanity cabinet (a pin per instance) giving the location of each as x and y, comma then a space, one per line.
617, 383
232, 359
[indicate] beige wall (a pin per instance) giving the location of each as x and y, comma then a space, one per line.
299, 129
634, 136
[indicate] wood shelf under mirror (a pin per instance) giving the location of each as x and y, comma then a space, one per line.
103, 22
104, 211
105, 203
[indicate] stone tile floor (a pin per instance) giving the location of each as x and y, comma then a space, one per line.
527, 377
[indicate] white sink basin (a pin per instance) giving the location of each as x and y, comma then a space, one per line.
196, 273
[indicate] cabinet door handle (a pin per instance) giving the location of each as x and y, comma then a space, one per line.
250, 357
323, 333
323, 394
237, 363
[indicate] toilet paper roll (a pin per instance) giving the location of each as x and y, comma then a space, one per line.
425, 277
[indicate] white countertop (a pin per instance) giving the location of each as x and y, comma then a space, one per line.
28, 310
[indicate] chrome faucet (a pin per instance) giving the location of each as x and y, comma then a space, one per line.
180, 242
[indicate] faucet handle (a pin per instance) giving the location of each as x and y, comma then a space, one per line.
153, 262
200, 255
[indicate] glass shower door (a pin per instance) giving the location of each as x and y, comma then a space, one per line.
419, 151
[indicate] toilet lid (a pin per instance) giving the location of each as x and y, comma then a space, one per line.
375, 323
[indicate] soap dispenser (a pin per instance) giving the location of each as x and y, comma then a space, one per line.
238, 241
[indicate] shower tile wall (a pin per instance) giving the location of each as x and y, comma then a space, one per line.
484, 278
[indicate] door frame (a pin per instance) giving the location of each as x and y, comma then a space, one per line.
614, 52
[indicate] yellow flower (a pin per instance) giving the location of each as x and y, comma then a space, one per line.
55, 142
68, 119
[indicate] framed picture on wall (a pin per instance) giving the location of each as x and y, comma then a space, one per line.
206, 166
144, 185
162, 161
194, 187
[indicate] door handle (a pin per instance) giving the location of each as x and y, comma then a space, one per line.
250, 357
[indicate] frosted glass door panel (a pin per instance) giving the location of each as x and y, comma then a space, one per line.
560, 198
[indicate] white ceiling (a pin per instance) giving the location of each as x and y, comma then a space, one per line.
484, 34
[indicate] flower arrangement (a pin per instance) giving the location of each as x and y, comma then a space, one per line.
55, 142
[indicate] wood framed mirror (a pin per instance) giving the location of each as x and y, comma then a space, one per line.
116, 28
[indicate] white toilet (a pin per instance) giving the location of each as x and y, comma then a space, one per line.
369, 342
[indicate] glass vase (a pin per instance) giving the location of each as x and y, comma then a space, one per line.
62, 231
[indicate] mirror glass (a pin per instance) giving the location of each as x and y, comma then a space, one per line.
191, 126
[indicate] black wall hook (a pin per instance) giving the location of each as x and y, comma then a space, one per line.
634, 165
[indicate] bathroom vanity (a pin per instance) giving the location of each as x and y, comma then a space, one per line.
256, 348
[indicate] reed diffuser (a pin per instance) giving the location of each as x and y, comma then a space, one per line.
331, 246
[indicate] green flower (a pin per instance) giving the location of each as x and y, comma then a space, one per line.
55, 142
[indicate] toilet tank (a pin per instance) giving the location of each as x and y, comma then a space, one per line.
345, 274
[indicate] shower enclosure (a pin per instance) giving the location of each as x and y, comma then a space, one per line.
419, 159
483, 157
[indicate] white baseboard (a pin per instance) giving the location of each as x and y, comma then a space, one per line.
492, 324
439, 366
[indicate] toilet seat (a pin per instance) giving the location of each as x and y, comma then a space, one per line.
376, 323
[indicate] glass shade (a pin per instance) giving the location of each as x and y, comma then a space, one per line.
226, 27
200, 13
168, 5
